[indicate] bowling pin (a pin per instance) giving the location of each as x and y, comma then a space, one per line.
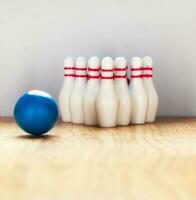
90, 116
150, 89
77, 93
122, 90
107, 100
66, 89
137, 91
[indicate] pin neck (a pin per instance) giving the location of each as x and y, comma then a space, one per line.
120, 73
68, 71
107, 74
93, 73
147, 71
136, 72
80, 72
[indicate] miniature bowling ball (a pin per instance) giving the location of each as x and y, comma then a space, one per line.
36, 112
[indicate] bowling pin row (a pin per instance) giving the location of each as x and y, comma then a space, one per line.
106, 99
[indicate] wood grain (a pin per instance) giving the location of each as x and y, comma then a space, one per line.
144, 162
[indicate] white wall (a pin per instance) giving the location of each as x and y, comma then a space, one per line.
36, 35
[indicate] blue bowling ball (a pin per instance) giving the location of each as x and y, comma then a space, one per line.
36, 112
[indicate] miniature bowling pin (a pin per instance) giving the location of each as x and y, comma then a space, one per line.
122, 90
89, 109
77, 93
137, 91
66, 89
107, 100
150, 89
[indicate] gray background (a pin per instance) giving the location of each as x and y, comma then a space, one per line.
36, 35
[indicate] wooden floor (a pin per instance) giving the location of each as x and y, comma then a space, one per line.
147, 162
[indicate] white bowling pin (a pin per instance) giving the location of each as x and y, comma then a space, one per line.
137, 91
150, 89
91, 91
77, 93
107, 100
122, 90
66, 89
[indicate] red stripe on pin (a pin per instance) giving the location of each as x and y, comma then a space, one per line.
93, 77
107, 77
147, 75
68, 68
80, 69
107, 70
147, 68
70, 75
136, 69
116, 76
120, 69
92, 69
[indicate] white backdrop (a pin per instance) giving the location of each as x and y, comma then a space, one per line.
36, 35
